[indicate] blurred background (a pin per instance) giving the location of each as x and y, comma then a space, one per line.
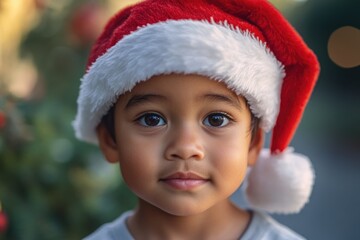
55, 187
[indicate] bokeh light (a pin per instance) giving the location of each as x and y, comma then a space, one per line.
344, 47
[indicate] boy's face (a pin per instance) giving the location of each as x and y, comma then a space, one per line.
182, 142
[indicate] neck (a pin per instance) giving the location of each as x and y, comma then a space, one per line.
222, 221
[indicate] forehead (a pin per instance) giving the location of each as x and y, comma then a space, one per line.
183, 90
181, 83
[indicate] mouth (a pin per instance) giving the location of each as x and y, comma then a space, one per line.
184, 181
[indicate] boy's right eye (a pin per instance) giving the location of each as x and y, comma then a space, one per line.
151, 120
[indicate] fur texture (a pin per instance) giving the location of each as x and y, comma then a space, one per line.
280, 183
218, 51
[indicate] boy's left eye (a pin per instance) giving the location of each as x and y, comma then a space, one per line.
216, 120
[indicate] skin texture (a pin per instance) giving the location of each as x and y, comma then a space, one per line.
182, 124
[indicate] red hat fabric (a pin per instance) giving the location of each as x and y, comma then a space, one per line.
247, 44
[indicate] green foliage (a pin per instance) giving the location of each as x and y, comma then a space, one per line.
51, 185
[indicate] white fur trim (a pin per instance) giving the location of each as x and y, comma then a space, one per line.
280, 183
216, 50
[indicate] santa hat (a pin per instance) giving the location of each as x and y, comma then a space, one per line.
247, 44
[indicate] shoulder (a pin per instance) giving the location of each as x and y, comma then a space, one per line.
264, 227
114, 230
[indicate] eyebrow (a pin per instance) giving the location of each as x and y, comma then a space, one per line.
235, 102
141, 98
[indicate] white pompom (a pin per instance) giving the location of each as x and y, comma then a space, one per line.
280, 183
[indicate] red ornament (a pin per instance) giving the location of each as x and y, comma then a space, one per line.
86, 23
3, 222
2, 120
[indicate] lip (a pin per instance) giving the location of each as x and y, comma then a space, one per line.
184, 181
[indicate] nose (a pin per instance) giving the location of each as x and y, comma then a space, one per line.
184, 142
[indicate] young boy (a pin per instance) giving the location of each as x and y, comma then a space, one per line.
179, 93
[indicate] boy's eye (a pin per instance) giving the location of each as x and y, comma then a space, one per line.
151, 120
216, 120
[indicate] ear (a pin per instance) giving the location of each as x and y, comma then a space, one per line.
255, 147
107, 144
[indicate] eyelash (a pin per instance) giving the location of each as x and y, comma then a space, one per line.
161, 121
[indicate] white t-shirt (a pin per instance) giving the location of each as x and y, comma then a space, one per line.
261, 227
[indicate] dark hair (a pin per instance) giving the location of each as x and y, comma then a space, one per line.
109, 122
254, 127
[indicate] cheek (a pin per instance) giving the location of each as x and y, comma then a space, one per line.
230, 159
139, 160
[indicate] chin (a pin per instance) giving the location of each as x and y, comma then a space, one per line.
184, 209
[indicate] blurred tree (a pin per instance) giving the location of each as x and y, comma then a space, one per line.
51, 185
